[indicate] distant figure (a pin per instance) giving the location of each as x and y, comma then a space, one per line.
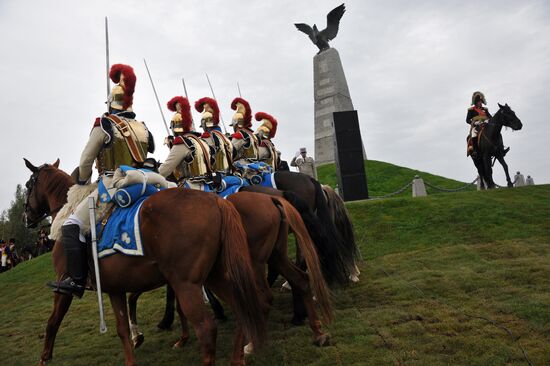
519, 180
283, 164
305, 164
530, 181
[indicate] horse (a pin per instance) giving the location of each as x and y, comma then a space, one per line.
490, 144
213, 252
266, 220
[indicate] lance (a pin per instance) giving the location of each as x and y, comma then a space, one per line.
187, 96
157, 97
107, 60
91, 207
214, 96
239, 88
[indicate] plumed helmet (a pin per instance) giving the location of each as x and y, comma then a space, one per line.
122, 94
268, 126
478, 96
210, 111
243, 113
182, 119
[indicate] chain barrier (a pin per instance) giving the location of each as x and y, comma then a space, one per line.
452, 189
402, 189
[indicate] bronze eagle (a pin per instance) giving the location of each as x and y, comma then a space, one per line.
321, 38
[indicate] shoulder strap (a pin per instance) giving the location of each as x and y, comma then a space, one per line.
228, 147
124, 129
205, 153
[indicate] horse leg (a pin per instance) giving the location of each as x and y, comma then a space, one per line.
216, 306
61, 304
168, 319
486, 161
189, 296
271, 276
500, 159
119, 305
300, 283
137, 336
184, 328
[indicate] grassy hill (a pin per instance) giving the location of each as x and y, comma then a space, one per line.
444, 278
384, 178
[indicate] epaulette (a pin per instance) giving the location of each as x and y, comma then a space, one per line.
97, 122
178, 140
237, 135
205, 135
471, 108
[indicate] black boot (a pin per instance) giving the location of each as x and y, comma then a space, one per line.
77, 263
475, 147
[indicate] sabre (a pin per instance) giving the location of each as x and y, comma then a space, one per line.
156, 96
187, 96
214, 96
91, 207
107, 60
239, 88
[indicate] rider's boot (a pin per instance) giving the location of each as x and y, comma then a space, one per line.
77, 263
475, 147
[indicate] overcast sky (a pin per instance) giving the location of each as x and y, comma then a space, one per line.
411, 68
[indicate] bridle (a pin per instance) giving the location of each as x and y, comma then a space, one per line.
30, 186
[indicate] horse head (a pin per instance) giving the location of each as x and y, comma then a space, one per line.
509, 118
36, 203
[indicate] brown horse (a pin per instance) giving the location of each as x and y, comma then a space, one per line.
213, 251
267, 221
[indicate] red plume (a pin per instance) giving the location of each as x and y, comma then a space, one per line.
185, 110
129, 81
199, 106
261, 115
247, 113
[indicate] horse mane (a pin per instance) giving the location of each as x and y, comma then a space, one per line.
58, 182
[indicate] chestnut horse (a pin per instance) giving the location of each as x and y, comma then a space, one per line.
267, 220
209, 247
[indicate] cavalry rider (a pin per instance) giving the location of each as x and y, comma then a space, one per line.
116, 139
220, 146
245, 142
267, 130
189, 156
476, 117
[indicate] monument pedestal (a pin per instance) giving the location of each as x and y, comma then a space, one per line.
331, 95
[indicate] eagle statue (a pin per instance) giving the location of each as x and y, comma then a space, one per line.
321, 38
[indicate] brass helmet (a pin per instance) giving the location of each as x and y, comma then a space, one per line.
243, 113
478, 96
268, 128
210, 112
182, 121
122, 94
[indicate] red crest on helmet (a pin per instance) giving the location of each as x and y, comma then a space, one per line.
262, 115
199, 106
129, 81
248, 111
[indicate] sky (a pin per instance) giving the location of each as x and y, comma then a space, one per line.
411, 69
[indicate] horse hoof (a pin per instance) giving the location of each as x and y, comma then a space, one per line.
180, 343
322, 340
510, 185
164, 325
42, 362
138, 340
249, 349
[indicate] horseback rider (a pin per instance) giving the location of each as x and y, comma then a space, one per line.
220, 145
245, 142
267, 130
189, 156
116, 139
477, 116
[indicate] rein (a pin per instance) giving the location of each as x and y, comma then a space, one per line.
30, 186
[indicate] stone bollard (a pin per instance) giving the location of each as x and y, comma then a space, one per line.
530, 181
519, 180
418, 188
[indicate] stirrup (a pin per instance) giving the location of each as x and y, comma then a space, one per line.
68, 286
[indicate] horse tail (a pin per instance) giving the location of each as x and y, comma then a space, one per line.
342, 221
339, 255
238, 267
307, 249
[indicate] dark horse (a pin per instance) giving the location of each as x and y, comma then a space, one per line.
210, 248
490, 144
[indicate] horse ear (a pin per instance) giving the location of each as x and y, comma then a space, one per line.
56, 164
506, 105
499, 105
31, 167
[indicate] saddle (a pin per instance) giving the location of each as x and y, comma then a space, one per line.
469, 145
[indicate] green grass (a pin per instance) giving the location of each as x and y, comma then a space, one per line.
439, 273
384, 178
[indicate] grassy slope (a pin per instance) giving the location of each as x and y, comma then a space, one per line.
435, 266
384, 178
